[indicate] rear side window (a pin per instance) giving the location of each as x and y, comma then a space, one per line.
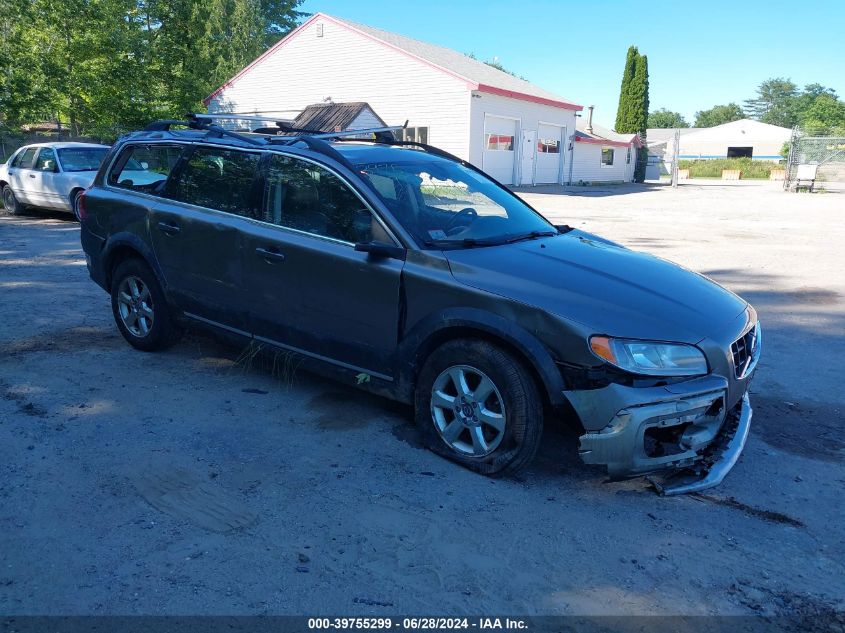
218, 179
25, 158
144, 167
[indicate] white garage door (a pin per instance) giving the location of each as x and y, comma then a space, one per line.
549, 153
499, 148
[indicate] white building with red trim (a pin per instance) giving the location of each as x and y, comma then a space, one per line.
602, 155
516, 131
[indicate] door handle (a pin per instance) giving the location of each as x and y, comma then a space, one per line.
270, 255
170, 229
32, 175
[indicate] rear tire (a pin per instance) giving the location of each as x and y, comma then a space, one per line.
479, 406
10, 203
140, 308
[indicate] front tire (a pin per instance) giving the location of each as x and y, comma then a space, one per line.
140, 308
477, 405
10, 202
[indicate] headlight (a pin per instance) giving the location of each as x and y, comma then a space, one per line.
650, 358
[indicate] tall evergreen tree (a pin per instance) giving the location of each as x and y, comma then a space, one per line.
632, 114
623, 110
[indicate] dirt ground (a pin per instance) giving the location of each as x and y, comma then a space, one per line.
194, 482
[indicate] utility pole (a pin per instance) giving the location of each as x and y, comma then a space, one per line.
676, 149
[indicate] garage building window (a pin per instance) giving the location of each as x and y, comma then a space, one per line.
607, 156
548, 146
499, 142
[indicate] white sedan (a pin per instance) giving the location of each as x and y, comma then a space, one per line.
49, 175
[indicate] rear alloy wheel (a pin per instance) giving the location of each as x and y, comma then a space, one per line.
140, 308
10, 202
479, 406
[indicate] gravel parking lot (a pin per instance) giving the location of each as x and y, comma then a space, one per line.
198, 481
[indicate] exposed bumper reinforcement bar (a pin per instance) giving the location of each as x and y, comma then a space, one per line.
725, 461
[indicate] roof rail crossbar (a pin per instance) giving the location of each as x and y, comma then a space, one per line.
239, 117
215, 131
376, 131
320, 146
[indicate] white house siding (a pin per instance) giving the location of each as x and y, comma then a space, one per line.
527, 116
348, 66
587, 167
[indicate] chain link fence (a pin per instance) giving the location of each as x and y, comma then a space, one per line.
816, 161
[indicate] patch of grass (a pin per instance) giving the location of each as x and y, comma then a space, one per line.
281, 364
712, 168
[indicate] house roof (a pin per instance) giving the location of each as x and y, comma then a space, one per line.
756, 130
478, 75
662, 135
602, 136
332, 117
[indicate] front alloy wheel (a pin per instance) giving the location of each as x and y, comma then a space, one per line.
468, 411
478, 404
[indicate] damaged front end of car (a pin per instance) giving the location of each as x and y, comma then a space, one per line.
692, 430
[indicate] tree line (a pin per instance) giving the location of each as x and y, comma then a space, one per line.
99, 67
777, 101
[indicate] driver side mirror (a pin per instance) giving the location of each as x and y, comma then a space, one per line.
145, 165
381, 250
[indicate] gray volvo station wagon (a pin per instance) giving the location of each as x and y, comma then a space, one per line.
409, 272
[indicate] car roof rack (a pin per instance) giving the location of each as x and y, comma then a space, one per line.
286, 134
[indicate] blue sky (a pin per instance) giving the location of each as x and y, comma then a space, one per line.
700, 54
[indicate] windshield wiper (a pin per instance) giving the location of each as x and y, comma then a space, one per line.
533, 235
467, 242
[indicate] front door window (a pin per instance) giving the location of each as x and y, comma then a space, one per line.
302, 195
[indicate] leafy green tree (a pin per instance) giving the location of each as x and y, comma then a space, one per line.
774, 102
664, 118
717, 115
102, 66
826, 115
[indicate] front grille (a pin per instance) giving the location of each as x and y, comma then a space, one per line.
742, 351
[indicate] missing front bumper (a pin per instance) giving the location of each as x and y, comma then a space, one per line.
720, 457
676, 427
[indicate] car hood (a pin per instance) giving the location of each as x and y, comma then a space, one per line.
606, 287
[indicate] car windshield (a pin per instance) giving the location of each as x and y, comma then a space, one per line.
444, 204
82, 158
